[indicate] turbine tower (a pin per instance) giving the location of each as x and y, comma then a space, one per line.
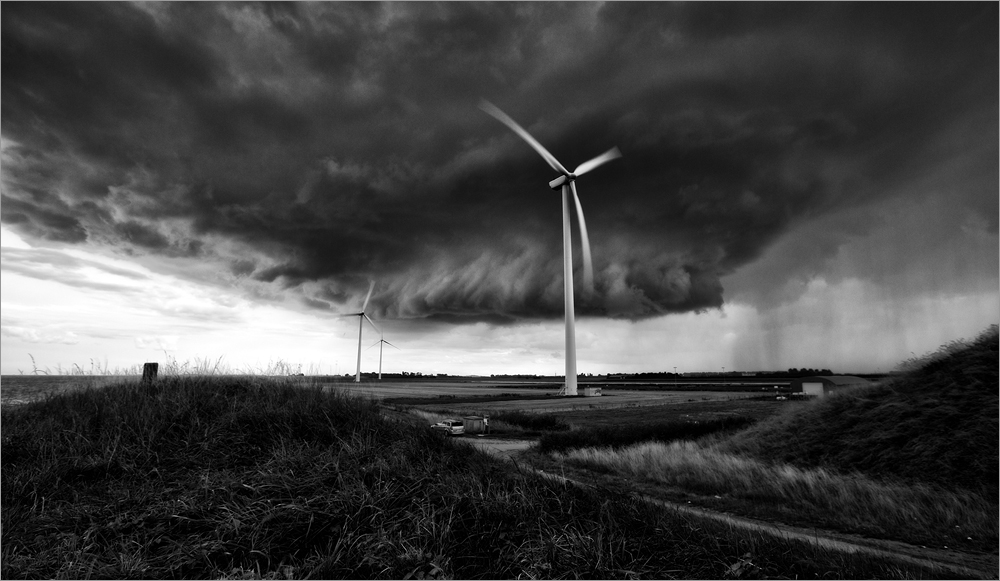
361, 322
380, 343
567, 183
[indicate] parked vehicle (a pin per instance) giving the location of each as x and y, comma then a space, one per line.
449, 427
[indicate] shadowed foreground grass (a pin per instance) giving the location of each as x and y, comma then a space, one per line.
231, 477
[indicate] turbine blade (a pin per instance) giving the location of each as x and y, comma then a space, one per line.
391, 345
349, 315
602, 159
371, 322
372, 345
371, 287
502, 117
588, 266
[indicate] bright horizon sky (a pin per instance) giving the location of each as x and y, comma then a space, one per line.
809, 185
91, 310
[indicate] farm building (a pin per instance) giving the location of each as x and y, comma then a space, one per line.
819, 386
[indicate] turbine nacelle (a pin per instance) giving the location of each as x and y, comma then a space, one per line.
561, 181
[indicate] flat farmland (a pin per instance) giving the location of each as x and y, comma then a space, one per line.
487, 397
437, 389
678, 410
612, 399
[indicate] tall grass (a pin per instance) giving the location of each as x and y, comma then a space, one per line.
629, 434
240, 477
533, 422
172, 366
96, 368
428, 416
852, 502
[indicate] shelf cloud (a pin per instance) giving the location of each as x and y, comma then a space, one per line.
309, 148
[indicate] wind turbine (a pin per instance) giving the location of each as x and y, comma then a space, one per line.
380, 343
361, 322
567, 183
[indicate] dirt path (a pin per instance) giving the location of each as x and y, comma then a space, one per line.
498, 447
950, 562
954, 562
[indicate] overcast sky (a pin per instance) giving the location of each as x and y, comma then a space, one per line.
802, 184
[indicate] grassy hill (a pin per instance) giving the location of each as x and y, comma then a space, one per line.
936, 423
250, 478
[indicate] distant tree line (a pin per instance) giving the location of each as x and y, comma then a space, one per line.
806, 372
793, 372
649, 375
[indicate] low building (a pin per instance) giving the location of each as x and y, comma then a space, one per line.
590, 391
820, 385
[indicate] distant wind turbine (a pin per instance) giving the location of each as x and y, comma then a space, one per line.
567, 183
361, 322
381, 341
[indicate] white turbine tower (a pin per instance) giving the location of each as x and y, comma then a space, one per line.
567, 183
361, 325
381, 342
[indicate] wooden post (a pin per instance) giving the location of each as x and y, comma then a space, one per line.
149, 372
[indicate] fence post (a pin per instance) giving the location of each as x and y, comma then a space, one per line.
149, 372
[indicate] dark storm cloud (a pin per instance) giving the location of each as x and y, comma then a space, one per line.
317, 146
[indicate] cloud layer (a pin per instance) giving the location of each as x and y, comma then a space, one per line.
308, 148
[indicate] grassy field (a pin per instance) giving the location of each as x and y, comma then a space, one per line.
247, 478
491, 401
681, 409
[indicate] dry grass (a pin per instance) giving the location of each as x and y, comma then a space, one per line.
628, 433
430, 417
199, 366
853, 502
